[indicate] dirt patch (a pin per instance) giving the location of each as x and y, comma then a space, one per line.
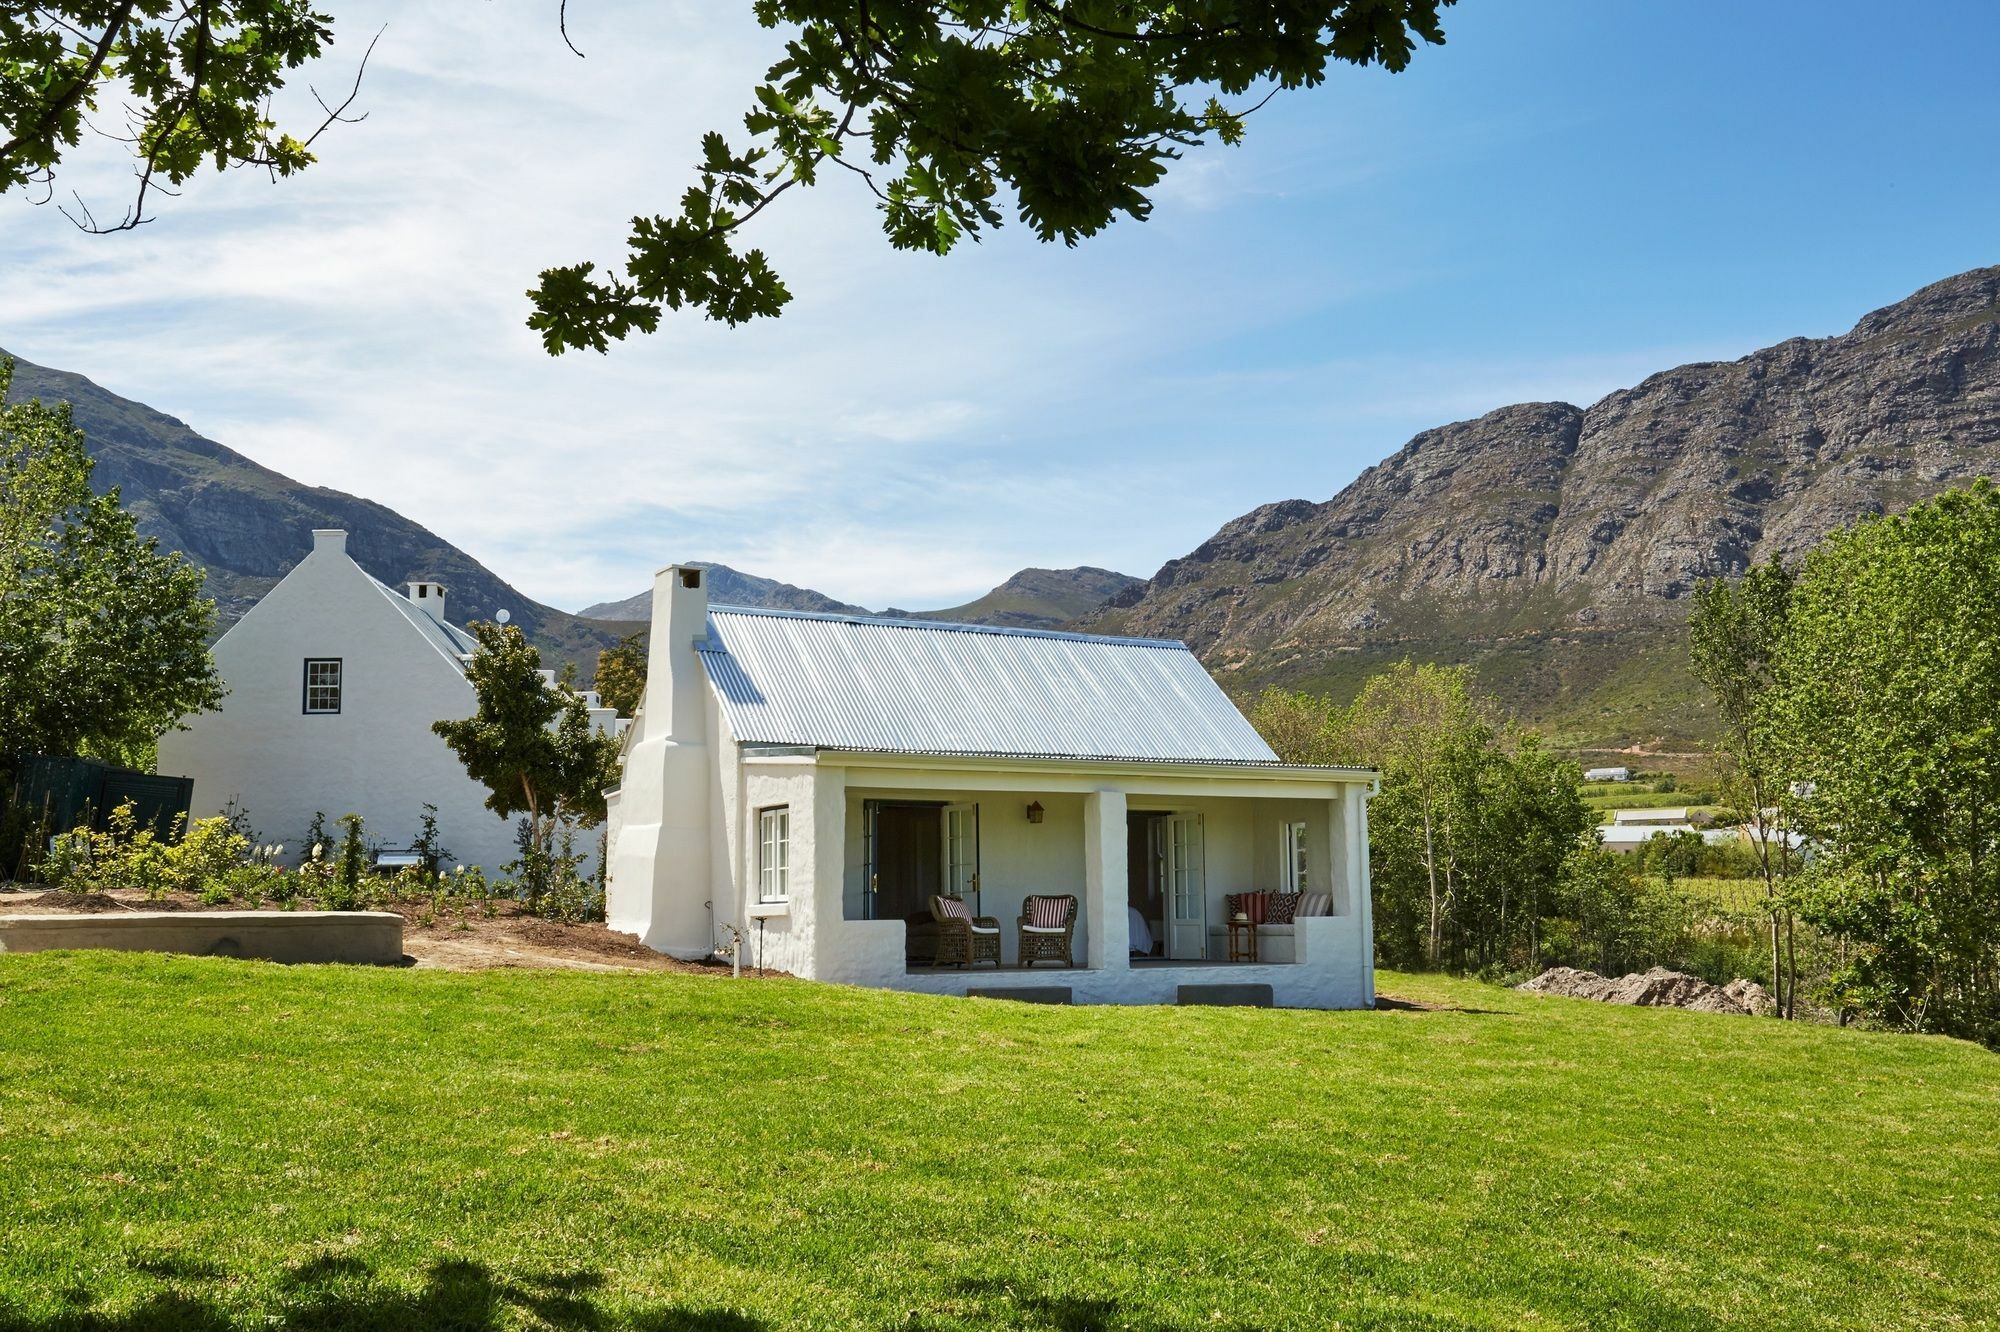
1658, 988
450, 941
79, 903
509, 939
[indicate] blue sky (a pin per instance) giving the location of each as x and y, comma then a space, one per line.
1564, 199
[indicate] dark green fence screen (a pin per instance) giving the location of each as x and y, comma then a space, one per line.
65, 793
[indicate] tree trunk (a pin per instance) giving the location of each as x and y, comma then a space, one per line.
1430, 867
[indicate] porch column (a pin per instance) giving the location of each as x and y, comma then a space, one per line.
1108, 932
1352, 895
1364, 887
824, 920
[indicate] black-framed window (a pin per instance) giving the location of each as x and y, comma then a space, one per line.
322, 688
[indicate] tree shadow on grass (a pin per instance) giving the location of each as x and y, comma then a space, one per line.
1014, 1305
332, 1292
1390, 1004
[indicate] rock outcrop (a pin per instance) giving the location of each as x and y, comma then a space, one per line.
1555, 546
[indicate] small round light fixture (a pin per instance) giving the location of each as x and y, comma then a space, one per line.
1034, 811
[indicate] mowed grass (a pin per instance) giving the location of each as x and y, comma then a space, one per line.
193, 1143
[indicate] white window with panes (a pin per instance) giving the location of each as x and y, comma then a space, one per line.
1295, 858
322, 684
774, 854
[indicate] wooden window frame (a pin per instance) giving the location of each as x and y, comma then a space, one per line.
339, 686
780, 873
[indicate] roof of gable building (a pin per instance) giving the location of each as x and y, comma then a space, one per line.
450, 641
928, 687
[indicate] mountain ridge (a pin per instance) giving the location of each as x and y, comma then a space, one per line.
1553, 547
1030, 599
246, 525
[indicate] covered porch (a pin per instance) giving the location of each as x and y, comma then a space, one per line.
1151, 854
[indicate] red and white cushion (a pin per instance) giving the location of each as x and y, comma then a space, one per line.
954, 908
1254, 905
1046, 913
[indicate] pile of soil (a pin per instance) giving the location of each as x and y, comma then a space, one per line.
64, 900
1658, 988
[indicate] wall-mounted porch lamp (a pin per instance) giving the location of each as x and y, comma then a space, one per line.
1034, 811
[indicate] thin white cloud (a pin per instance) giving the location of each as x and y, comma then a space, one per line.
911, 431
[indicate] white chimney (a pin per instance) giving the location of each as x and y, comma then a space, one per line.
429, 597
329, 541
674, 684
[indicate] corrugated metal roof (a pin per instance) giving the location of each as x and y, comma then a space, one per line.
927, 687
450, 641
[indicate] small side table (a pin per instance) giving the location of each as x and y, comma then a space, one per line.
1242, 940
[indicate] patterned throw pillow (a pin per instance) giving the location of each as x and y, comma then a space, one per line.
1254, 905
1048, 913
1283, 907
1315, 904
954, 908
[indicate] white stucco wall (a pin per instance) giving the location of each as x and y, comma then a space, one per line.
667, 864
684, 861
376, 757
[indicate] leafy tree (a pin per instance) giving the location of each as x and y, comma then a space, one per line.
1885, 704
1614, 921
1473, 824
1734, 632
621, 674
1522, 816
192, 80
531, 744
1076, 107
1303, 728
1418, 724
1072, 111
103, 638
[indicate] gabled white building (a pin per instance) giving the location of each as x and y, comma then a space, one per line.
801, 787
334, 680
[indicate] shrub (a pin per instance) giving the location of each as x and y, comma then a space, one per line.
574, 897
428, 845
201, 861
342, 886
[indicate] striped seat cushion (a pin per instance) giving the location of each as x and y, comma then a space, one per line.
954, 908
1046, 913
1314, 904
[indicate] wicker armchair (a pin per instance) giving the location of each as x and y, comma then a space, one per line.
1047, 927
962, 937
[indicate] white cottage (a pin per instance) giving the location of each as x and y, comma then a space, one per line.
818, 790
334, 680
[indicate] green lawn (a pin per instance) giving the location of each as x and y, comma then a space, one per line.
192, 1143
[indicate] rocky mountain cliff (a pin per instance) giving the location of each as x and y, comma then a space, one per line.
246, 525
1031, 599
1554, 547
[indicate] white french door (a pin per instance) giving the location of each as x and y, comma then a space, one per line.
961, 853
1187, 889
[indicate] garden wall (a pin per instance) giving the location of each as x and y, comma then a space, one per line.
368, 937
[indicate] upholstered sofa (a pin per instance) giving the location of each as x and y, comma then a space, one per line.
1273, 916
